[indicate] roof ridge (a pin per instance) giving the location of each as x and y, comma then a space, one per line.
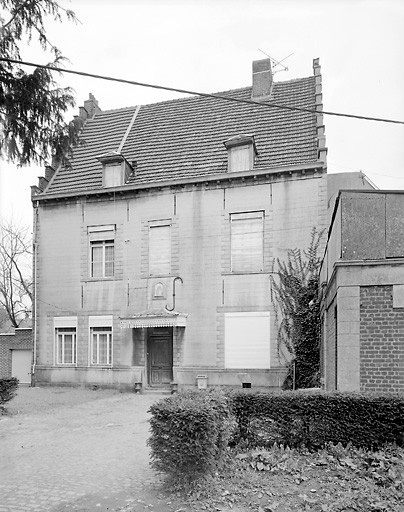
196, 96
110, 110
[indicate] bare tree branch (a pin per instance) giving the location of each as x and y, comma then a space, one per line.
15, 272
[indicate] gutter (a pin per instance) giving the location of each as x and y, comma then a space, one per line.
35, 250
226, 176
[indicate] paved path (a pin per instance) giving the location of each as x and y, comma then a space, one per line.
77, 457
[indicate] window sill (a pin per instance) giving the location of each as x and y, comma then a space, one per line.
96, 279
159, 276
246, 272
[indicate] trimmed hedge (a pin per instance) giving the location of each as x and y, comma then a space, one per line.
190, 433
315, 418
8, 389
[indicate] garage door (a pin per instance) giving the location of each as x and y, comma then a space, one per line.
21, 365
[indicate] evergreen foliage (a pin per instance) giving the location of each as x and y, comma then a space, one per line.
294, 294
190, 434
8, 389
32, 129
314, 418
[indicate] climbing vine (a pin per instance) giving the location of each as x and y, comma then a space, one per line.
294, 294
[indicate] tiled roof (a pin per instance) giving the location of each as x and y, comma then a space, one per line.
184, 138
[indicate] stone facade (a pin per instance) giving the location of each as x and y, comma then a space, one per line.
200, 255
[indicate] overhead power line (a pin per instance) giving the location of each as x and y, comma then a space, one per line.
202, 94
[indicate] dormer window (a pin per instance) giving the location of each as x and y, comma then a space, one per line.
241, 151
115, 169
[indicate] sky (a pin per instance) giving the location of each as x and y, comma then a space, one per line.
209, 46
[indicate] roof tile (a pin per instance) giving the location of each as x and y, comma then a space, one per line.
184, 137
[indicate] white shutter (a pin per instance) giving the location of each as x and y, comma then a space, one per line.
103, 232
160, 250
100, 321
247, 242
113, 175
240, 158
247, 340
65, 321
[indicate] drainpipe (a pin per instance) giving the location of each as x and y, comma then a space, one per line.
175, 279
35, 249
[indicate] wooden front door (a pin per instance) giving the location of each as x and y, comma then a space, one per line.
160, 356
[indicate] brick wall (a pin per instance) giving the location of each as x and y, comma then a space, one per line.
381, 340
21, 339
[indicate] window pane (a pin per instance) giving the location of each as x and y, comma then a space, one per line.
109, 260
246, 243
159, 250
96, 260
94, 349
59, 348
68, 354
103, 348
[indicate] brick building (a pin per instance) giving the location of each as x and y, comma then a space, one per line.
153, 251
16, 354
363, 293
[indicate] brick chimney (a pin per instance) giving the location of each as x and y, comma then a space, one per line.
262, 79
89, 109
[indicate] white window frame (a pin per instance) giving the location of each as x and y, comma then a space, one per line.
101, 322
60, 328
104, 244
237, 353
240, 216
152, 270
101, 236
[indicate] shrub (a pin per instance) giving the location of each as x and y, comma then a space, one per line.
315, 418
190, 433
8, 388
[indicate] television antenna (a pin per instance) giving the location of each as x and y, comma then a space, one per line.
276, 62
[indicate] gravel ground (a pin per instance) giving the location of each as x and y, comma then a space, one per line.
44, 399
78, 450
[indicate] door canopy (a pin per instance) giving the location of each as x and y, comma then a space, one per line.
154, 318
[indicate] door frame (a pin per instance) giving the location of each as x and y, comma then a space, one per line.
152, 332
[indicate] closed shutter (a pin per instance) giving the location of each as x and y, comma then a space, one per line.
160, 250
247, 242
240, 158
247, 340
113, 175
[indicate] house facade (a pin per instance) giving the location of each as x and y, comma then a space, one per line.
362, 278
153, 250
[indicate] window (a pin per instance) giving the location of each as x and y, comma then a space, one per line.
113, 175
102, 251
240, 158
65, 340
247, 241
159, 249
101, 345
241, 153
115, 169
101, 340
247, 340
102, 258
